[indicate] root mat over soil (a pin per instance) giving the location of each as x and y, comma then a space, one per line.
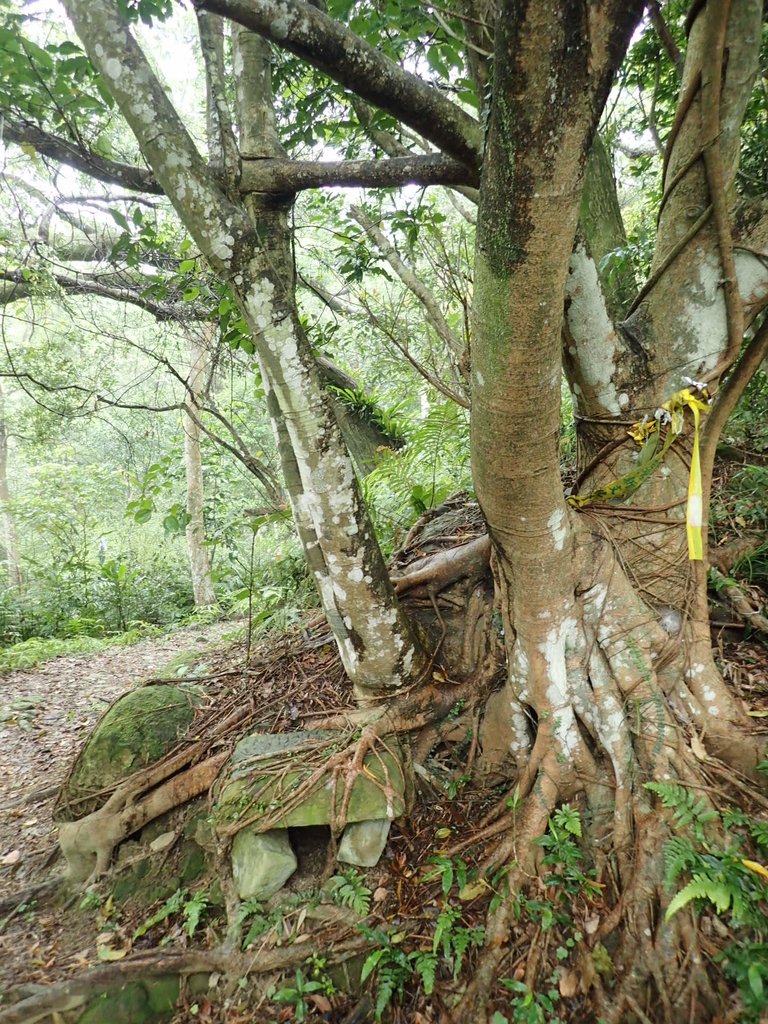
292, 683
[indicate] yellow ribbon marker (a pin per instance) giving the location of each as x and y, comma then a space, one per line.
694, 512
671, 412
752, 865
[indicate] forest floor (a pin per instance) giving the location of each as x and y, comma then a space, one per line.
286, 684
45, 714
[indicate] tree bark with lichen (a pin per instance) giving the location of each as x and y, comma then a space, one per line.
609, 678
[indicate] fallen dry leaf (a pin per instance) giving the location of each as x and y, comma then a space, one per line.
698, 748
109, 954
568, 984
11, 858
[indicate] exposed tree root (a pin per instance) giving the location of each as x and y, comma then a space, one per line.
438, 571
725, 557
531, 824
628, 707
88, 843
74, 992
411, 712
740, 602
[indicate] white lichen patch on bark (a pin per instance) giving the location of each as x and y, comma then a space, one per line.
559, 695
164, 140
593, 334
752, 275
557, 527
701, 318
376, 648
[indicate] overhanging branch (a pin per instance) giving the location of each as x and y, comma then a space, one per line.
18, 287
67, 152
346, 58
295, 175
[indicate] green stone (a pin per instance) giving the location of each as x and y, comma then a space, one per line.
261, 862
143, 726
193, 863
265, 770
162, 993
128, 1005
363, 842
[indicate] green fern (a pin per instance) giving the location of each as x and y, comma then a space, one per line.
425, 967
193, 910
679, 856
391, 967
690, 810
432, 465
721, 888
349, 890
444, 929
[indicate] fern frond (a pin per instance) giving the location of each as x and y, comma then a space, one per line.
679, 856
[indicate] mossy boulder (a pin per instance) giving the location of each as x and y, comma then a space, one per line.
138, 1002
139, 729
266, 770
128, 1005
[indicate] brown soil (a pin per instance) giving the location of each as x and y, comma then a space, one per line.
45, 714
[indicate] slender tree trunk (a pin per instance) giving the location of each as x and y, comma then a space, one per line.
248, 245
9, 527
199, 562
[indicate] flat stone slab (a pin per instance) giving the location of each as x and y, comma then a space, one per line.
261, 863
363, 842
266, 770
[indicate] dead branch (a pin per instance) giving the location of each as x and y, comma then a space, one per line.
723, 558
438, 571
740, 602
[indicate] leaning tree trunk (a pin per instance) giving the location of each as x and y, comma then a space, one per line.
248, 248
199, 562
12, 558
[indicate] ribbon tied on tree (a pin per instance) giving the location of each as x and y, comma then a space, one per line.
647, 432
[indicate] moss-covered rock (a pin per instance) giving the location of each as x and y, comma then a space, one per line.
139, 1002
363, 842
128, 1005
162, 994
261, 863
140, 728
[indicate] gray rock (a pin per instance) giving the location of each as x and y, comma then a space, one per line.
261, 862
363, 842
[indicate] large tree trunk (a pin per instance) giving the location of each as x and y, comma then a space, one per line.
250, 250
610, 668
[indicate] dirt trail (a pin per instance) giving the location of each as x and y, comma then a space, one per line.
45, 713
